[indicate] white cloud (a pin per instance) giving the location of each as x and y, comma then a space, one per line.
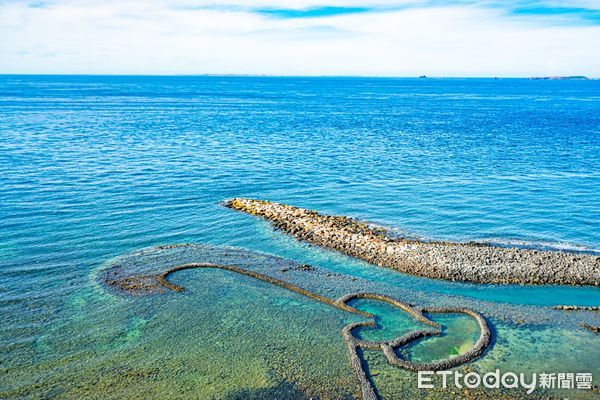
185, 37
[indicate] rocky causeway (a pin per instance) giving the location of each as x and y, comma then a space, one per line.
470, 262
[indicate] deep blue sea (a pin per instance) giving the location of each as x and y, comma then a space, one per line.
92, 167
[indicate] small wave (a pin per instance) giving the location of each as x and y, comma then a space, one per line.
540, 245
402, 233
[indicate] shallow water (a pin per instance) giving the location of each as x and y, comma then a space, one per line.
95, 167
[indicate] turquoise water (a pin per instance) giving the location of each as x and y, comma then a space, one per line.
95, 167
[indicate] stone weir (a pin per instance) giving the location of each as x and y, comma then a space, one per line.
146, 272
471, 262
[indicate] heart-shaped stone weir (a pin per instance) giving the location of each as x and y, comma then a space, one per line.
155, 281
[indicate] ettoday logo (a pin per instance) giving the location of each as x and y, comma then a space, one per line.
507, 380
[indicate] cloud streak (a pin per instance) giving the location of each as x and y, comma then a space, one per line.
304, 37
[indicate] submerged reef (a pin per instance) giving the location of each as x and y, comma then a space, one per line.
126, 279
470, 262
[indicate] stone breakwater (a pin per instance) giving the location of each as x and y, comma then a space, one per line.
471, 262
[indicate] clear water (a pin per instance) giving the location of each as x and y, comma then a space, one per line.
460, 332
95, 167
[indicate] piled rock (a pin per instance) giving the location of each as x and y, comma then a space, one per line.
577, 308
591, 328
471, 262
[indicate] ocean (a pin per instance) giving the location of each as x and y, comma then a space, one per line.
95, 167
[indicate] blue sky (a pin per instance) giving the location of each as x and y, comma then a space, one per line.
302, 37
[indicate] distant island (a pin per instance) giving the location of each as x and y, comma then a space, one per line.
561, 78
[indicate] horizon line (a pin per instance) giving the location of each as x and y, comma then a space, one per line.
423, 76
